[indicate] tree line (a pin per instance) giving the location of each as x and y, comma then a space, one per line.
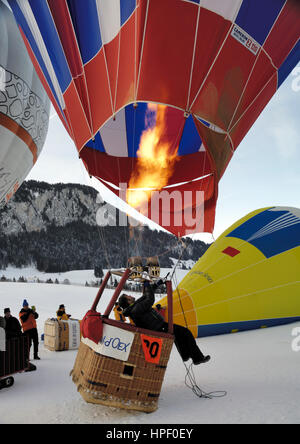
79, 246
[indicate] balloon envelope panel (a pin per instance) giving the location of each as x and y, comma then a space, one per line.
213, 65
24, 108
248, 278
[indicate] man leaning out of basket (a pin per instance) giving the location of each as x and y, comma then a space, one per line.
145, 316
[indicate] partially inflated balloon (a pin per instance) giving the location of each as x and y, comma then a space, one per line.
248, 278
159, 93
24, 108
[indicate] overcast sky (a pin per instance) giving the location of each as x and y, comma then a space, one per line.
264, 171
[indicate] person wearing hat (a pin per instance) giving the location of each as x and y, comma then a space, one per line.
28, 318
61, 313
12, 325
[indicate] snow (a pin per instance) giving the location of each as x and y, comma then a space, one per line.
258, 369
75, 277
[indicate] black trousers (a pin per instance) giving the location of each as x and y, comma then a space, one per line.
33, 336
185, 343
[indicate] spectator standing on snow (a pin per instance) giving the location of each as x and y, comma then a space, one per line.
28, 318
61, 313
12, 325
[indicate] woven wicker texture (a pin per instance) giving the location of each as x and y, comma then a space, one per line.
134, 384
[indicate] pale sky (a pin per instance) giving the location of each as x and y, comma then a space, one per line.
264, 171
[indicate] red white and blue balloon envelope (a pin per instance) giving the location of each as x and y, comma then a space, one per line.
209, 67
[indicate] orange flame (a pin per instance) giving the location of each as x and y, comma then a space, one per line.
156, 159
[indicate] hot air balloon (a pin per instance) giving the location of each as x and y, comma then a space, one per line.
248, 278
24, 108
157, 95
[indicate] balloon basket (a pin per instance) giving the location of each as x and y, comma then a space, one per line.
134, 384
126, 368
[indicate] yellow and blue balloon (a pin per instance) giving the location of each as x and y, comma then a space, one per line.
249, 278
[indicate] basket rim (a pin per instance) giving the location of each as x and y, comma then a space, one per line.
133, 328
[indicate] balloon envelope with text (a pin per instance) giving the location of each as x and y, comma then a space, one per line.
159, 94
248, 278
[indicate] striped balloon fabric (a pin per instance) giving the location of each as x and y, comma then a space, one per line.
196, 73
24, 109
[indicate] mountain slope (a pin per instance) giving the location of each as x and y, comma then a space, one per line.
54, 227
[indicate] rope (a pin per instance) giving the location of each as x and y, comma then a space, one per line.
181, 254
173, 278
191, 383
101, 235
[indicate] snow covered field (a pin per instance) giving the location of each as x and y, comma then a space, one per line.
258, 369
76, 277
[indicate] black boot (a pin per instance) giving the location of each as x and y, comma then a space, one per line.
201, 360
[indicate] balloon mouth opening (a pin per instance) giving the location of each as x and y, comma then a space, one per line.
156, 157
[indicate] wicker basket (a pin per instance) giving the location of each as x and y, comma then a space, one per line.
133, 384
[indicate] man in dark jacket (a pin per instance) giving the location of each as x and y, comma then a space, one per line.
12, 325
145, 316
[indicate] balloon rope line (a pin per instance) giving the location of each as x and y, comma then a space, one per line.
176, 284
179, 259
88, 181
193, 59
102, 240
181, 306
222, 258
163, 253
190, 380
117, 79
191, 383
173, 276
211, 67
135, 244
126, 241
142, 50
